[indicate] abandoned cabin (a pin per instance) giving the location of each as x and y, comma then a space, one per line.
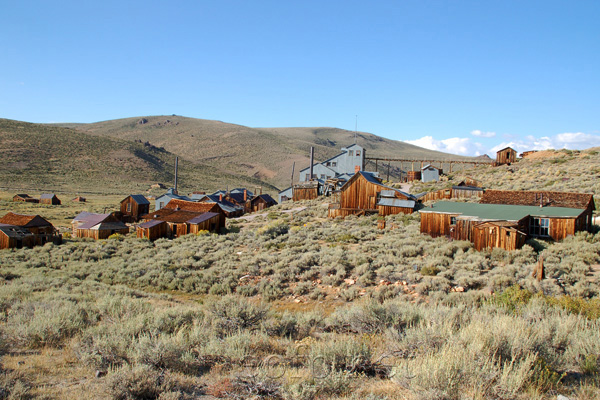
507, 156
365, 193
25, 198
260, 202
133, 207
171, 194
506, 219
32, 230
413, 176
79, 199
229, 209
50, 198
97, 226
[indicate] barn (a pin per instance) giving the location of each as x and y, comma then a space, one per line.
50, 198
507, 155
152, 230
97, 226
362, 195
133, 207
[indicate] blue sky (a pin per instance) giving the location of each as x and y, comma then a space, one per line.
461, 76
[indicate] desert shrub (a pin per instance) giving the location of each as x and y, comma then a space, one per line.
231, 314
513, 298
13, 386
333, 385
350, 294
116, 236
137, 383
430, 271
590, 308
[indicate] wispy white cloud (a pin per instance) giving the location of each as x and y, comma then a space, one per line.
466, 146
456, 145
479, 133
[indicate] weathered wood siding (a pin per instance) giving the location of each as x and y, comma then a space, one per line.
489, 235
436, 224
506, 156
466, 194
305, 193
442, 194
413, 176
211, 225
135, 210
152, 233
7, 242
387, 210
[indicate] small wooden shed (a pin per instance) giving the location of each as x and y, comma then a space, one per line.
34, 223
305, 191
507, 155
260, 202
413, 176
79, 199
502, 234
25, 198
133, 207
50, 198
152, 230
208, 221
429, 173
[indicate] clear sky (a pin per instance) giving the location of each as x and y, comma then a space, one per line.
461, 76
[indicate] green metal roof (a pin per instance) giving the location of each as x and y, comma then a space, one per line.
502, 212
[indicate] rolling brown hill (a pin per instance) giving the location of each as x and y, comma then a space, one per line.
262, 153
39, 157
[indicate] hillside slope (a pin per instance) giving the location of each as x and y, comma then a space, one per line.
263, 153
43, 157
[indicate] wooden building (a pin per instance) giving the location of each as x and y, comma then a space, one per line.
507, 155
229, 209
36, 224
50, 198
260, 202
97, 226
507, 226
362, 195
413, 176
305, 191
79, 199
208, 221
152, 230
182, 205
466, 192
25, 198
429, 173
15, 237
133, 207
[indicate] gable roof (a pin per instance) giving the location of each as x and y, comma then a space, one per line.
90, 220
138, 198
370, 177
172, 195
534, 198
28, 221
179, 216
265, 197
47, 196
186, 205
430, 166
506, 148
23, 195
334, 157
503, 212
82, 216
393, 202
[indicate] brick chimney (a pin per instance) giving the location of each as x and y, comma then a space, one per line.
356, 168
221, 197
245, 195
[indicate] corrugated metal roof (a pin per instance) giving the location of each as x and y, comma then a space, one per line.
388, 193
150, 224
82, 216
112, 225
473, 188
396, 203
203, 217
140, 199
47, 196
91, 220
503, 212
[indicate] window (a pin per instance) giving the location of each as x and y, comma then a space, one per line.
307, 178
350, 153
323, 176
128, 207
334, 164
539, 227
452, 220
357, 153
161, 204
328, 164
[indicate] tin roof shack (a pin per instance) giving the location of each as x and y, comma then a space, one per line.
389, 204
429, 173
507, 155
15, 237
152, 230
463, 221
133, 207
260, 202
97, 226
361, 195
50, 198
25, 198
